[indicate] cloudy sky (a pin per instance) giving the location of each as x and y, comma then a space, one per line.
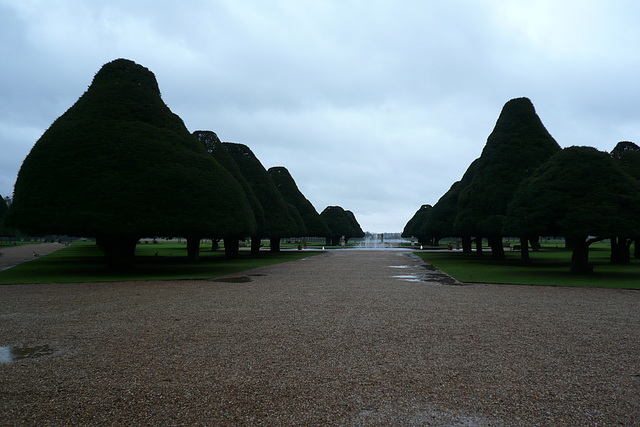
376, 106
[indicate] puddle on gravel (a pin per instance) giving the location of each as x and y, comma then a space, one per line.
240, 279
11, 354
425, 273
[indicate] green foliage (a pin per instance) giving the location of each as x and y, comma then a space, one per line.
417, 225
120, 163
314, 225
579, 192
627, 155
341, 223
214, 146
518, 145
358, 233
278, 221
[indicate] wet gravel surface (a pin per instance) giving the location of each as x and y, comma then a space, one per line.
334, 339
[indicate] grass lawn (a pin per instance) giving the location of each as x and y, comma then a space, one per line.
84, 262
548, 267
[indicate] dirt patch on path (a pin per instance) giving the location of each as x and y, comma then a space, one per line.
14, 255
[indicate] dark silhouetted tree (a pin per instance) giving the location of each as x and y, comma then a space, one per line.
277, 219
119, 165
214, 147
517, 146
314, 225
579, 193
341, 223
627, 155
417, 225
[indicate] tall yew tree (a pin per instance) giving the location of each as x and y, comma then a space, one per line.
581, 194
314, 225
277, 218
215, 147
119, 165
517, 146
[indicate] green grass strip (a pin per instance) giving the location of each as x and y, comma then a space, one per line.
548, 267
84, 262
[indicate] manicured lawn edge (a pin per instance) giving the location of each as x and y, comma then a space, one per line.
549, 267
84, 262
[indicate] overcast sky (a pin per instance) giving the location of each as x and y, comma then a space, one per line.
376, 106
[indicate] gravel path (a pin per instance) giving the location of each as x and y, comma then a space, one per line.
334, 339
14, 255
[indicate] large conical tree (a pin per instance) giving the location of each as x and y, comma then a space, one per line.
314, 225
277, 219
119, 165
517, 146
579, 193
214, 146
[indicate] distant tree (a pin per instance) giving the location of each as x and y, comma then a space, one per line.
358, 233
118, 166
214, 146
581, 194
314, 225
443, 214
518, 145
4, 231
417, 225
341, 223
627, 155
277, 219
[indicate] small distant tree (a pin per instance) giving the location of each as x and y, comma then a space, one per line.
4, 231
581, 194
118, 166
417, 225
341, 223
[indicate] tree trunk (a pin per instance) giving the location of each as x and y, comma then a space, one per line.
620, 253
119, 251
231, 247
497, 250
215, 245
466, 244
274, 244
535, 243
524, 250
479, 246
255, 244
636, 250
580, 257
193, 248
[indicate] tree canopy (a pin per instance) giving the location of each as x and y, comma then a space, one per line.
119, 165
314, 225
517, 146
341, 223
277, 219
417, 225
577, 193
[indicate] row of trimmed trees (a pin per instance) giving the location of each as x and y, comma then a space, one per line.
525, 185
119, 165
